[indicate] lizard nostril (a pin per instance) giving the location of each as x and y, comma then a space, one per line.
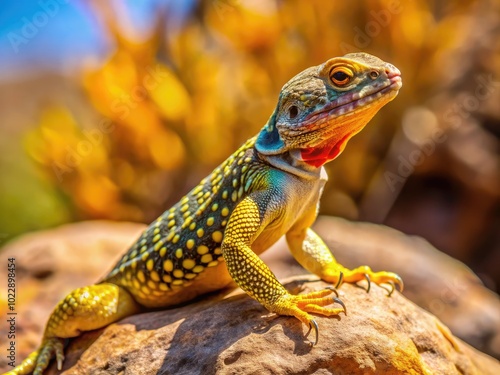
392, 71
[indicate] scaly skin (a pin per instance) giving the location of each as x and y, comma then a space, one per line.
269, 187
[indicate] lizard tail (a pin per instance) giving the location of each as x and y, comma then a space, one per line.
26, 367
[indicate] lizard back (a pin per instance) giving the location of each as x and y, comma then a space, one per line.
186, 240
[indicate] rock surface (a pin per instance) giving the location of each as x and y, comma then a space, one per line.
228, 334
433, 280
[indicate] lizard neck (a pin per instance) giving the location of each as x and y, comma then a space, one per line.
289, 163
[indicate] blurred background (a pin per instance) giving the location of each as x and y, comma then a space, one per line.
113, 110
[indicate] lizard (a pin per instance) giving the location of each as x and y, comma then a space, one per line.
268, 188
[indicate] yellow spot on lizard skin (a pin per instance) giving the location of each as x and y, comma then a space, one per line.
244, 168
190, 276
167, 278
176, 238
210, 221
156, 231
141, 277
198, 269
163, 286
150, 264
144, 256
179, 253
207, 258
185, 200
200, 232
151, 284
225, 211
224, 222
128, 275
171, 216
192, 226
225, 194
248, 160
122, 268
171, 223
215, 206
217, 236
178, 274
170, 236
185, 208
163, 251
188, 263
217, 251
158, 245
156, 238
168, 265
145, 290
154, 276
136, 284
142, 250
187, 222
177, 282
143, 242
240, 192
200, 201
133, 254
133, 264
202, 249
213, 264
190, 243
235, 182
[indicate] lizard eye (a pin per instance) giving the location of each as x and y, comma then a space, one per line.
293, 111
341, 76
373, 74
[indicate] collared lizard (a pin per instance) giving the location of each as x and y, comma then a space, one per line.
268, 188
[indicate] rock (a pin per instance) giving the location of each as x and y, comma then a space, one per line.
230, 336
433, 280
50, 264
223, 333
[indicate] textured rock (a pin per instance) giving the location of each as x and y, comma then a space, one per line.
433, 280
229, 336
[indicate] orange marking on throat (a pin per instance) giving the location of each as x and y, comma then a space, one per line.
346, 127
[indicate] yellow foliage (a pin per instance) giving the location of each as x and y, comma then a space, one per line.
216, 85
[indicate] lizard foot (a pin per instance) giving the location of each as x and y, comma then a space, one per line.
301, 305
39, 360
365, 273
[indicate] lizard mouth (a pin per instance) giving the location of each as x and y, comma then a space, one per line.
332, 128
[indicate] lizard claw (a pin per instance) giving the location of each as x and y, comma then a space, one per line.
398, 281
313, 325
367, 277
333, 290
389, 292
340, 280
339, 301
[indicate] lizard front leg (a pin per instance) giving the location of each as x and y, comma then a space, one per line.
312, 253
253, 276
84, 309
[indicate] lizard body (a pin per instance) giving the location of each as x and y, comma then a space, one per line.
269, 187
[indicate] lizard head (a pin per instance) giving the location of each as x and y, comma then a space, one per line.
324, 106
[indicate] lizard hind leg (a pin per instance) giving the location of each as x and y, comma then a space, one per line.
84, 309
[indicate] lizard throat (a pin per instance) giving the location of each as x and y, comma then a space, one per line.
339, 129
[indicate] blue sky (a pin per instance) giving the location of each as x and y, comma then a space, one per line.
59, 34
